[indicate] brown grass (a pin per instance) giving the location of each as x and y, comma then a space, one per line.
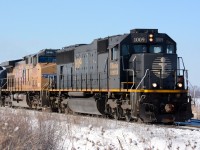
196, 111
23, 130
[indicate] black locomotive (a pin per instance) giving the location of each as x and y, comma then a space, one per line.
131, 76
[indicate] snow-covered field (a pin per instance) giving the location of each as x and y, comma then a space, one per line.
37, 130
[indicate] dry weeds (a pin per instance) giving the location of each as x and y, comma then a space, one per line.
196, 111
20, 131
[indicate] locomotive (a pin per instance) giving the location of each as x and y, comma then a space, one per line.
27, 79
134, 76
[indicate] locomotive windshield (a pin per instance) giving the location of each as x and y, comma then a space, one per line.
47, 56
144, 48
155, 49
150, 41
139, 48
47, 59
134, 49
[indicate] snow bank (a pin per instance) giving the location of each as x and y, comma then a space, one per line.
75, 132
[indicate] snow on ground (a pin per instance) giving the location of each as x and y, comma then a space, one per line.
84, 133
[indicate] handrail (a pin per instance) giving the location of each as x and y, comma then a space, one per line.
142, 79
180, 58
129, 69
4, 84
184, 73
132, 105
45, 85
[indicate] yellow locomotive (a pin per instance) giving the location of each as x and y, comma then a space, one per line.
27, 78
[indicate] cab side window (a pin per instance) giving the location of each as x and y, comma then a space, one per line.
114, 53
170, 49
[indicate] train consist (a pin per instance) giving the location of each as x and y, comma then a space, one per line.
135, 76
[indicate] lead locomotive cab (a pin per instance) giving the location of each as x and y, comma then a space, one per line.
160, 83
154, 54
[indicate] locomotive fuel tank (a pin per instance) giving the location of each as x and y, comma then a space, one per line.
81, 103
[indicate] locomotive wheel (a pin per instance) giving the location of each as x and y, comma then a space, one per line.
1, 103
46, 109
139, 120
128, 116
67, 110
108, 111
118, 112
116, 115
61, 108
9, 104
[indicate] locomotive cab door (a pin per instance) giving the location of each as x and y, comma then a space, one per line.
114, 67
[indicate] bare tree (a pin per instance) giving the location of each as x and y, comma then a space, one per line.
195, 91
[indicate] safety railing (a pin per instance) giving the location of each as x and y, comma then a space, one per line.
99, 81
83, 81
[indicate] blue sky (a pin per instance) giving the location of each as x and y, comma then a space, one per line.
27, 26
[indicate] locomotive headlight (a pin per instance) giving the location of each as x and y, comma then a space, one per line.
154, 85
169, 108
180, 85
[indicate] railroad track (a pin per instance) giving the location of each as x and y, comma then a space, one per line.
191, 122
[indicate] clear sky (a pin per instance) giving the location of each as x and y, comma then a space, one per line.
27, 26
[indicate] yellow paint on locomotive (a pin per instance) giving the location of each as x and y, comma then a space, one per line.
27, 77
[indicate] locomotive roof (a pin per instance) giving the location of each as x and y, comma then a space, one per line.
114, 40
69, 48
144, 31
72, 47
9, 64
40, 52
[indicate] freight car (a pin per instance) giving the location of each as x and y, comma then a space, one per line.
134, 76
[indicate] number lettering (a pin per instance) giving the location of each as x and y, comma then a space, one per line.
139, 40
